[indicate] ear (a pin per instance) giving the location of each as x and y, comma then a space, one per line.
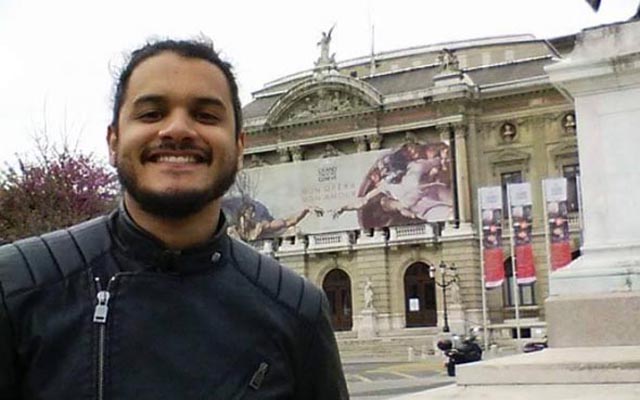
240, 149
112, 142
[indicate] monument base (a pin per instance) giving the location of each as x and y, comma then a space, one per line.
368, 327
593, 320
584, 373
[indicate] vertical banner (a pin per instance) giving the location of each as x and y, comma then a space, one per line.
493, 255
555, 193
520, 203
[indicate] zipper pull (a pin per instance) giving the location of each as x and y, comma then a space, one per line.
258, 376
102, 308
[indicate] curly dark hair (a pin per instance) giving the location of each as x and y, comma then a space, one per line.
200, 49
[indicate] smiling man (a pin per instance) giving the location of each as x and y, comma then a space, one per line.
155, 301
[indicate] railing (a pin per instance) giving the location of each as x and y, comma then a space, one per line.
411, 230
331, 241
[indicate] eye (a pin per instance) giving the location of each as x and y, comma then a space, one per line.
206, 117
150, 116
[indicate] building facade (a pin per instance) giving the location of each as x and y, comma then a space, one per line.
484, 106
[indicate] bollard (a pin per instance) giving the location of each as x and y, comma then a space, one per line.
410, 354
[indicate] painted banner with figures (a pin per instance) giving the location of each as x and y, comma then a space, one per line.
401, 186
493, 255
555, 193
522, 222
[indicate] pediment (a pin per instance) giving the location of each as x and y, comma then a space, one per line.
564, 151
329, 97
510, 155
510, 158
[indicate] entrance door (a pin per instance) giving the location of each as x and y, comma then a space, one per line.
337, 286
420, 296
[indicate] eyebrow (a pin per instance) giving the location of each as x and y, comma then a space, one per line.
210, 101
199, 101
150, 98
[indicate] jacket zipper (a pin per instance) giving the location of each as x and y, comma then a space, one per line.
100, 317
258, 376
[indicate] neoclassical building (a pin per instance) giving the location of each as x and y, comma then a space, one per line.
485, 107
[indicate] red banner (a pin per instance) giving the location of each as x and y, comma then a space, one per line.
555, 191
520, 202
493, 255
493, 267
559, 234
560, 255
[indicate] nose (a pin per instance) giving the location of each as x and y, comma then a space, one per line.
178, 126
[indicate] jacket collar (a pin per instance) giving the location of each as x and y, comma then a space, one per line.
143, 247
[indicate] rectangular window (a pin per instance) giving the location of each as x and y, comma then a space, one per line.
525, 333
572, 173
526, 293
505, 179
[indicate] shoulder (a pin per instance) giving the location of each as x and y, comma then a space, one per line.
291, 290
49, 258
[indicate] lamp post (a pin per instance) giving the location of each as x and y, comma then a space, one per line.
448, 276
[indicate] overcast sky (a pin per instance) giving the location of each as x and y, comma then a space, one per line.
58, 57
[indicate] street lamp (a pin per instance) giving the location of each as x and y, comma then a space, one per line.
448, 276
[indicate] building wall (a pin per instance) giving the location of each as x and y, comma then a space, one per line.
541, 147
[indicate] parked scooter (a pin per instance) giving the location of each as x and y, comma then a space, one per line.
460, 351
535, 346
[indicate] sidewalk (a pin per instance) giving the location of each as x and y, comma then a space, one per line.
588, 373
530, 392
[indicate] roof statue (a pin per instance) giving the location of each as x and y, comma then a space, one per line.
324, 43
595, 4
448, 61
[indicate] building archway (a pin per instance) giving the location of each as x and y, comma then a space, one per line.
337, 286
419, 296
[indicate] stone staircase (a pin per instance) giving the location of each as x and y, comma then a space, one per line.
408, 345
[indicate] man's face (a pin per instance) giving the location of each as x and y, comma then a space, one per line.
175, 148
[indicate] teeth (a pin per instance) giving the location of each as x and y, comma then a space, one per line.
177, 159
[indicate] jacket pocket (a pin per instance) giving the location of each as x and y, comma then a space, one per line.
252, 386
246, 380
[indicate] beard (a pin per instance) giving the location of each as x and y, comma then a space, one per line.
176, 204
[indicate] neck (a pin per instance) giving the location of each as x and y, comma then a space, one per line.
181, 233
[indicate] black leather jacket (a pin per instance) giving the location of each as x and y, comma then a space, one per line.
103, 311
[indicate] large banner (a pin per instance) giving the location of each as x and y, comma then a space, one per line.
522, 223
555, 193
391, 187
493, 255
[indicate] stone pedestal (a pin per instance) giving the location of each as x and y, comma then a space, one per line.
368, 325
591, 300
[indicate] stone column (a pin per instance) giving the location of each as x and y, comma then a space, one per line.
297, 263
595, 300
462, 173
372, 266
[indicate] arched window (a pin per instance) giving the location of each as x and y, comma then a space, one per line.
420, 296
337, 287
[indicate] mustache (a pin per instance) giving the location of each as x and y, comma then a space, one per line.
205, 154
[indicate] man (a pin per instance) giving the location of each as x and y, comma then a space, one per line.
155, 301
